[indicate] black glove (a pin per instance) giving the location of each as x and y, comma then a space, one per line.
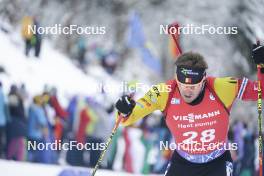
258, 53
125, 105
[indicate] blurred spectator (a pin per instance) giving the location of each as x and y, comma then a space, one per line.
16, 104
37, 37
25, 97
60, 112
249, 151
61, 115
23, 92
79, 120
109, 62
239, 132
17, 127
162, 134
55, 129
27, 34
31, 35
3, 122
117, 150
81, 51
37, 130
100, 114
83, 124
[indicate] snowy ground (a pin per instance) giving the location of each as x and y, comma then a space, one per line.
30, 169
52, 69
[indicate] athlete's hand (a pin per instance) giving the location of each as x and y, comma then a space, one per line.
125, 105
258, 53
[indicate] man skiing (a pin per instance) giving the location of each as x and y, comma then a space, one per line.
196, 109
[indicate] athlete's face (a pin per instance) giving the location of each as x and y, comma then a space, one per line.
190, 92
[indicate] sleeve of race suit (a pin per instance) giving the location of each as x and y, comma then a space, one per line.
226, 89
154, 99
229, 88
248, 89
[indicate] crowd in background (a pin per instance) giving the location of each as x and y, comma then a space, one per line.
80, 51
134, 149
85, 54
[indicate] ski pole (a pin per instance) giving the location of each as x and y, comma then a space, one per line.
120, 117
260, 121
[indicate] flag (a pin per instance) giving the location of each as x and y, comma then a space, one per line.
136, 39
136, 36
150, 60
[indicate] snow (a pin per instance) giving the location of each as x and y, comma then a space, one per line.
53, 69
33, 169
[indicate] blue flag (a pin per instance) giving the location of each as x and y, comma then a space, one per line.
150, 60
136, 39
136, 36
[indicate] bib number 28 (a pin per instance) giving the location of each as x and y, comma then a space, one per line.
206, 136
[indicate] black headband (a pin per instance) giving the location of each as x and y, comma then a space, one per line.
189, 75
